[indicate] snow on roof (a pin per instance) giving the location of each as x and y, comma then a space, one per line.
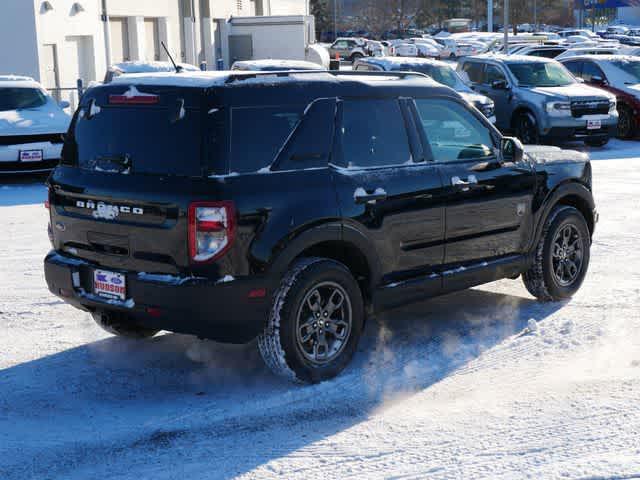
399, 61
173, 79
514, 58
140, 66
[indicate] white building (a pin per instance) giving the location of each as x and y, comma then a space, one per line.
60, 41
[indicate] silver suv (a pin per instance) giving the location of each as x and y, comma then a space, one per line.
539, 99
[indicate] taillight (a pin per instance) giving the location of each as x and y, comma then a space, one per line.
212, 229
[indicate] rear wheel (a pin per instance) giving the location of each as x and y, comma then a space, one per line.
527, 129
315, 323
121, 325
356, 56
561, 257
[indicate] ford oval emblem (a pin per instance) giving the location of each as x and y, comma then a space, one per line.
60, 226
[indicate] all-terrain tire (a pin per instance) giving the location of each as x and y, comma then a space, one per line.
280, 343
526, 128
540, 280
118, 324
627, 127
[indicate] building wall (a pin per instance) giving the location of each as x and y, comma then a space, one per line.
18, 42
289, 7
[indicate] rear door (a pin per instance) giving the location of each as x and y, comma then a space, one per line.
389, 193
488, 201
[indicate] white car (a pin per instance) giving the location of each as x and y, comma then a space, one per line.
32, 126
576, 52
404, 49
454, 49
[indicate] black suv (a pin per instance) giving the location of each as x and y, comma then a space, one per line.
291, 206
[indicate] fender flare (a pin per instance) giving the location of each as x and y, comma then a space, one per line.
569, 188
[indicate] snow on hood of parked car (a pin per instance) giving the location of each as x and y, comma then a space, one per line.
49, 118
15, 78
261, 65
547, 154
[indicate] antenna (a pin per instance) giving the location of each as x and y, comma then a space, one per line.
178, 68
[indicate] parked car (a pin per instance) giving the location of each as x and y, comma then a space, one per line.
441, 72
614, 30
233, 208
142, 66
546, 51
540, 100
426, 49
272, 65
404, 49
576, 52
376, 49
619, 75
581, 32
32, 126
348, 49
453, 49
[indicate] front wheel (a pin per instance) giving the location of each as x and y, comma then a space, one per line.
315, 322
626, 122
527, 129
561, 257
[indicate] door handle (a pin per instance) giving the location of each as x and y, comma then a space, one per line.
471, 183
372, 196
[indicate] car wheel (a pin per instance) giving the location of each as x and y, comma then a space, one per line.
561, 257
121, 325
626, 123
315, 322
356, 56
596, 142
527, 129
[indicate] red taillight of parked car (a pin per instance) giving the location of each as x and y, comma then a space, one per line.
133, 99
212, 229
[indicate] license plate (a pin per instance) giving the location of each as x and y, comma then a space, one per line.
109, 284
594, 124
31, 155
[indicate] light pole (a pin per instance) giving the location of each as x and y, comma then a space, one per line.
490, 16
505, 21
335, 20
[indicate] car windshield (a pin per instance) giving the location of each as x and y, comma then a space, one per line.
540, 74
630, 67
18, 98
447, 76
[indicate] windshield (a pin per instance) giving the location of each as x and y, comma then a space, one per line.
21, 98
541, 74
448, 77
630, 67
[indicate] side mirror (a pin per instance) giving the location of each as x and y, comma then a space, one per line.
579, 79
64, 104
499, 85
512, 150
598, 80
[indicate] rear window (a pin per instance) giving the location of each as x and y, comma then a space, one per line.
21, 98
138, 139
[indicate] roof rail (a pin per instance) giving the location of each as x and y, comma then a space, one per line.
286, 73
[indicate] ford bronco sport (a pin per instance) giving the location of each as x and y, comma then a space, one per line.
289, 206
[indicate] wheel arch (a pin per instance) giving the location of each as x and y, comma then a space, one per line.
523, 109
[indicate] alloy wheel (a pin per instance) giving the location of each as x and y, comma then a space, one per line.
567, 255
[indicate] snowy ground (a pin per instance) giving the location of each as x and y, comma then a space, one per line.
457, 387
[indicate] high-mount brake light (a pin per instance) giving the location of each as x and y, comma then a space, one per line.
212, 229
133, 100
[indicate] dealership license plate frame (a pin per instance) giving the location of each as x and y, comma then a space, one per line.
31, 155
110, 285
594, 124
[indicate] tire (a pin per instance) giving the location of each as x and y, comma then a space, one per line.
120, 325
356, 56
294, 350
526, 129
626, 123
543, 280
597, 142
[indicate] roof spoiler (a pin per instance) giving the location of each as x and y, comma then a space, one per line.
234, 77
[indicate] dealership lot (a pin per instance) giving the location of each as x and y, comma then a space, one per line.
482, 383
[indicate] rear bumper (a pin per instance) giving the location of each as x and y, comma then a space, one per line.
221, 311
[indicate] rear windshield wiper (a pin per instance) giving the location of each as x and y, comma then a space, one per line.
111, 163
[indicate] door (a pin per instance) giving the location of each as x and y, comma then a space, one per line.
51, 73
388, 193
152, 44
494, 84
119, 40
488, 200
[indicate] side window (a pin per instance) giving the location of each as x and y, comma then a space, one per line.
341, 44
473, 72
590, 70
453, 132
493, 74
373, 133
258, 133
575, 67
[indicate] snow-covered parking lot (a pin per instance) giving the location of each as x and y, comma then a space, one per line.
485, 383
